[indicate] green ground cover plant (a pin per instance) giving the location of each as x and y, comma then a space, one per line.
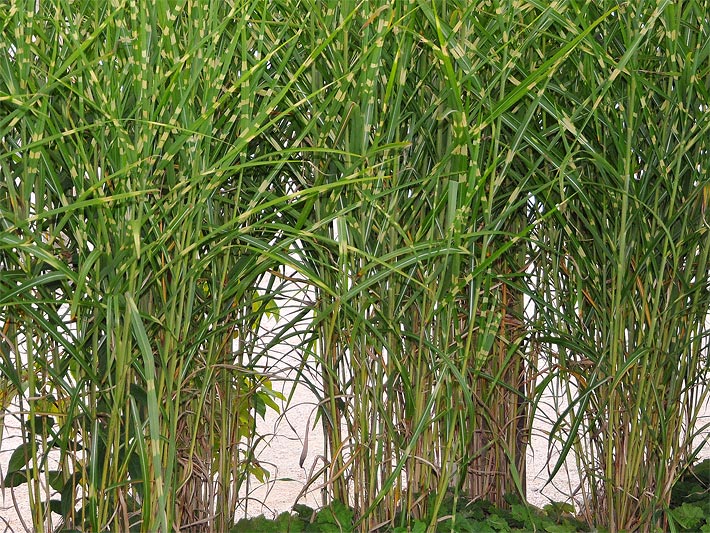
460, 207
689, 511
474, 517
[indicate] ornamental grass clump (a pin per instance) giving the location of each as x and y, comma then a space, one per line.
421, 256
142, 204
623, 274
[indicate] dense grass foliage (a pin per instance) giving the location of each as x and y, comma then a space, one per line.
419, 170
623, 265
419, 327
142, 205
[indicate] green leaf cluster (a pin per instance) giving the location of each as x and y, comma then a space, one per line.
334, 518
690, 499
474, 517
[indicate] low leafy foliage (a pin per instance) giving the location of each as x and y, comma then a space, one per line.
465, 517
690, 499
690, 511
